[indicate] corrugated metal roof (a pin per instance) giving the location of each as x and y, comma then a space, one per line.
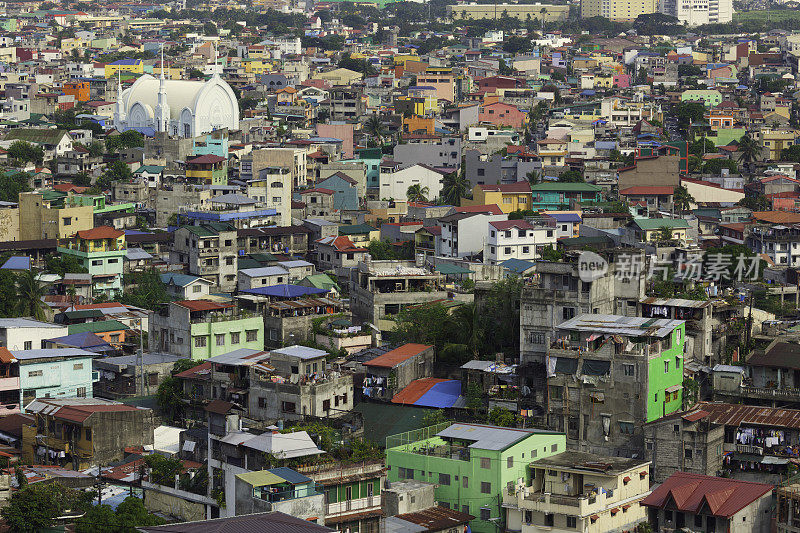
398, 355
486, 437
621, 325
676, 302
735, 415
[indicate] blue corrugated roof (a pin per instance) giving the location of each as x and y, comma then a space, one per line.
441, 395
292, 476
518, 266
565, 217
17, 262
285, 291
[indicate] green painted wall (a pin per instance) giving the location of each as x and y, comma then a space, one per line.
469, 496
658, 379
359, 489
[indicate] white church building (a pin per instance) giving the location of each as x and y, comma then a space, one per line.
181, 108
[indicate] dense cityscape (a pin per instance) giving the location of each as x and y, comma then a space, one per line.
299, 266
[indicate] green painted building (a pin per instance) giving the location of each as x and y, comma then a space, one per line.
471, 464
608, 375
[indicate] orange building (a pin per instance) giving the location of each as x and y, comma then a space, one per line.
78, 89
417, 124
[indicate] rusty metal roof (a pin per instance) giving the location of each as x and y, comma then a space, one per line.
621, 325
676, 302
735, 415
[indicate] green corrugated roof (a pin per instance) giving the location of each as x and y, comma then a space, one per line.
355, 229
447, 268
390, 419
658, 223
38, 136
557, 186
263, 257
83, 313
320, 281
260, 478
101, 326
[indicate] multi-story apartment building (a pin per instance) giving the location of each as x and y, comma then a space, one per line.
618, 11
432, 150
379, 289
102, 252
293, 159
472, 464
27, 334
83, 432
780, 242
579, 491
519, 239
698, 12
346, 103
46, 216
210, 252
561, 295
273, 188
199, 329
54, 372
465, 234
631, 372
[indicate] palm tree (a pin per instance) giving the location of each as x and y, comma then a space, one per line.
682, 199
465, 318
454, 187
535, 176
29, 296
417, 193
749, 151
374, 127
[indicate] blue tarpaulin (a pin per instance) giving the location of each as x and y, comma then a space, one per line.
285, 291
441, 395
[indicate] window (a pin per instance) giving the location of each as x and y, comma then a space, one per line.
628, 370
200, 341
89, 434
197, 288
507, 250
67, 221
465, 482
444, 479
481, 172
220, 339
112, 261
567, 313
526, 249
97, 262
486, 463
405, 473
77, 366
288, 407
229, 261
326, 405
572, 522
668, 516
262, 403
486, 487
80, 392
465, 509
251, 335
554, 448
235, 337
687, 453
486, 514
28, 345
626, 428
698, 520
510, 461
666, 367
34, 373
549, 520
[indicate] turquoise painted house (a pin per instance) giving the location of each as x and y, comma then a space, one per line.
54, 373
554, 194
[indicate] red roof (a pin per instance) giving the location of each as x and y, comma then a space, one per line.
79, 413
487, 208
318, 191
101, 232
723, 497
648, 191
202, 305
415, 390
695, 416
201, 371
342, 244
398, 355
208, 158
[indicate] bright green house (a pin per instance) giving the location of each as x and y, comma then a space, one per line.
472, 464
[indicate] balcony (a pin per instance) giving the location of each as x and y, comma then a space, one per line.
353, 506
9, 383
781, 394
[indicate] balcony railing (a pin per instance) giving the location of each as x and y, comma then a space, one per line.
758, 392
360, 504
556, 499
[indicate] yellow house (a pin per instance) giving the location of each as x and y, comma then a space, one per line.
171, 73
400, 59
132, 66
653, 229
339, 76
255, 66
68, 45
508, 197
603, 82
776, 140
43, 218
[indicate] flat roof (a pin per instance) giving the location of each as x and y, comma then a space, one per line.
489, 437
621, 325
591, 463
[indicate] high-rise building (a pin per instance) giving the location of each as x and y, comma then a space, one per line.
697, 12
618, 10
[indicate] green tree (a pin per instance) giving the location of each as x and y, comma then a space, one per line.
380, 250
126, 139
374, 127
715, 166
163, 469
552, 254
357, 65
682, 199
145, 290
535, 176
516, 44
170, 399
21, 152
64, 263
665, 233
117, 171
755, 203
34, 507
12, 184
96, 149
29, 296
688, 113
417, 193
82, 179
129, 515
702, 146
571, 176
454, 188
749, 151
791, 154
501, 417
194, 73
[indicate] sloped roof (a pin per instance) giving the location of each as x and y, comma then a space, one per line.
398, 355
101, 232
723, 497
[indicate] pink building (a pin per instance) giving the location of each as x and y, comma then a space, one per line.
622, 81
501, 114
339, 131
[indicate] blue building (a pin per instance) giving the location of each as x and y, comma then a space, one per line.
54, 373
